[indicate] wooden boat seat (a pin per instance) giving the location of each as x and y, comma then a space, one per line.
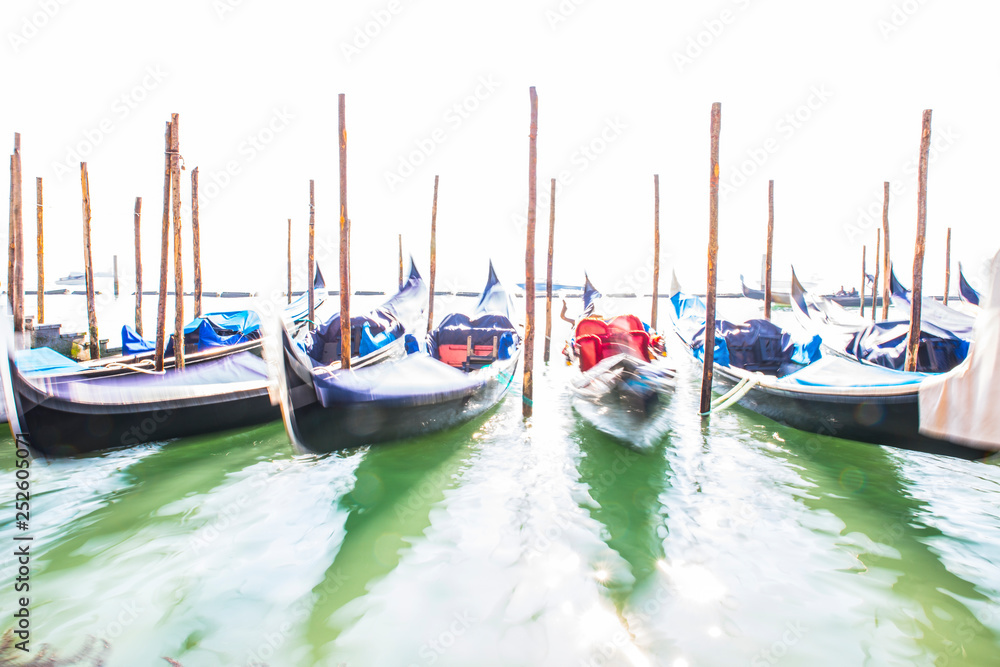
469, 356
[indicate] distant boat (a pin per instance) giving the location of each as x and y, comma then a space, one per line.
556, 287
77, 277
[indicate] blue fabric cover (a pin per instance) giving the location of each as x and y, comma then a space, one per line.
950, 322
209, 330
371, 342
838, 372
414, 380
45, 361
323, 343
411, 343
884, 343
494, 298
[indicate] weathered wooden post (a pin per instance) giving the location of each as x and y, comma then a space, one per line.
137, 219
713, 254
430, 298
19, 240
656, 251
864, 279
114, 275
88, 267
913, 339
400, 261
770, 248
175, 185
288, 289
161, 304
878, 251
947, 267
886, 262
345, 245
11, 237
548, 272
40, 250
311, 252
529, 261
196, 242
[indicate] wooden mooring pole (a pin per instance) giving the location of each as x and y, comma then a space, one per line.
947, 267
345, 244
529, 261
114, 274
864, 278
161, 303
196, 242
400, 261
311, 252
548, 272
430, 298
878, 251
88, 266
656, 251
886, 262
770, 248
713, 254
137, 219
913, 339
288, 289
19, 240
175, 185
40, 249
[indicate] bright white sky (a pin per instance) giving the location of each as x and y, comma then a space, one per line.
628, 79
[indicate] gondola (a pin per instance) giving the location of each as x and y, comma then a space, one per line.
965, 290
623, 381
465, 368
785, 298
933, 311
106, 407
848, 335
760, 367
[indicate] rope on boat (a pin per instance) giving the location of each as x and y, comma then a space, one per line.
118, 365
734, 395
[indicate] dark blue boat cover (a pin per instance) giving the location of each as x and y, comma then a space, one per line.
884, 343
949, 322
416, 379
133, 388
757, 345
409, 304
210, 330
968, 294
298, 309
323, 343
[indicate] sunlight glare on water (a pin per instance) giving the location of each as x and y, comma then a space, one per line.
731, 541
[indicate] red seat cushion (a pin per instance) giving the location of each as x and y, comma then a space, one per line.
588, 349
453, 355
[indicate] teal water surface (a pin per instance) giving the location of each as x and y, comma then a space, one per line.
733, 541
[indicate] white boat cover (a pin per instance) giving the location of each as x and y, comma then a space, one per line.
961, 405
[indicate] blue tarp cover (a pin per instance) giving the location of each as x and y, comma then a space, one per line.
837, 372
884, 343
45, 361
209, 330
413, 380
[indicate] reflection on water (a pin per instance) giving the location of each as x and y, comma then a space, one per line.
736, 541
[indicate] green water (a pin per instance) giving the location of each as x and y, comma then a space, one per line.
737, 541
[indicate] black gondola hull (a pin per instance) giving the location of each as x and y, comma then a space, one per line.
57, 430
320, 429
880, 420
